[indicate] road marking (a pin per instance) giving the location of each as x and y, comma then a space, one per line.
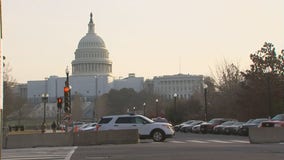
44, 153
177, 142
70, 153
219, 141
196, 141
240, 141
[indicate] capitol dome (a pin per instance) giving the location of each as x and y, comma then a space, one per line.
91, 55
91, 40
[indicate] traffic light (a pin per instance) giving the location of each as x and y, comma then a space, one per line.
59, 103
67, 104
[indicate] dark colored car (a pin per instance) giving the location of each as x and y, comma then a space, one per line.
179, 126
188, 127
220, 129
244, 130
208, 127
276, 121
233, 129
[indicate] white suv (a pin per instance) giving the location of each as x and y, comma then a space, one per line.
147, 128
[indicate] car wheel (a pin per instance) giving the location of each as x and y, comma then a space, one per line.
158, 136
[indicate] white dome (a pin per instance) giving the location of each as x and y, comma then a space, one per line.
91, 56
91, 40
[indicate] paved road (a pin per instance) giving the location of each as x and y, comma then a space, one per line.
182, 147
185, 147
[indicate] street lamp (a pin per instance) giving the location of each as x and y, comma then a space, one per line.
268, 74
96, 98
67, 73
44, 98
67, 92
205, 86
157, 101
175, 103
144, 106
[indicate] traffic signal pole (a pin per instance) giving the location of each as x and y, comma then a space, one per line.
67, 101
59, 107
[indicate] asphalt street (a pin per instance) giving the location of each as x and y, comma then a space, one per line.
184, 146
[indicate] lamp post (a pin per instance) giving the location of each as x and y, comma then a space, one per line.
96, 98
134, 110
157, 101
268, 74
68, 98
175, 102
144, 106
44, 98
205, 102
175, 105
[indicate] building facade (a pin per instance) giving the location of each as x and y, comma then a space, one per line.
136, 83
183, 85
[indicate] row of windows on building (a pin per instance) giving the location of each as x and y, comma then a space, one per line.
180, 82
90, 67
91, 44
177, 89
92, 55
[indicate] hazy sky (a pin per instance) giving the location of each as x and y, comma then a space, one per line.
146, 37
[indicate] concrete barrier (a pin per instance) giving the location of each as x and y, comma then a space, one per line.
39, 140
106, 137
266, 135
70, 139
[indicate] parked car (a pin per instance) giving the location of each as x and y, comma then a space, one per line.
188, 127
196, 128
233, 129
88, 127
147, 128
220, 129
208, 127
276, 121
179, 126
244, 130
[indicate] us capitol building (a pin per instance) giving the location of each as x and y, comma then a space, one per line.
92, 76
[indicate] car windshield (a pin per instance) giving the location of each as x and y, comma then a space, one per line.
147, 119
105, 120
215, 121
228, 123
196, 122
257, 121
279, 117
